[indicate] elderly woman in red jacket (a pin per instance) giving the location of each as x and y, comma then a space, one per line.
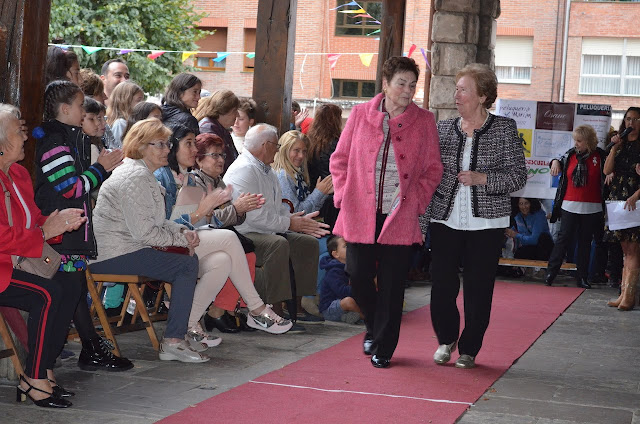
23, 231
385, 169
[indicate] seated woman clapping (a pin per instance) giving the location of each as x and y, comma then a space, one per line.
129, 221
23, 230
220, 253
290, 165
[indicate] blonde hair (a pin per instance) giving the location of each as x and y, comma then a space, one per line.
219, 103
141, 134
282, 161
120, 101
588, 134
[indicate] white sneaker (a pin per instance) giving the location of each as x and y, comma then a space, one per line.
180, 352
198, 335
443, 354
269, 321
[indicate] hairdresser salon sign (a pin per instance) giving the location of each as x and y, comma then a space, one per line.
545, 131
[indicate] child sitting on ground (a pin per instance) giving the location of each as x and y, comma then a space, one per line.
336, 303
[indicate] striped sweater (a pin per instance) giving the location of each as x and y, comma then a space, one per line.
65, 178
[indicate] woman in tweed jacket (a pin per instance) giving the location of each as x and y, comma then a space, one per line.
483, 162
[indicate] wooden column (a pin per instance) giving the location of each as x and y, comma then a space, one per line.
24, 34
391, 34
274, 61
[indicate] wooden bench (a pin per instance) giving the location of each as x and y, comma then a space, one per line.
10, 351
530, 263
136, 285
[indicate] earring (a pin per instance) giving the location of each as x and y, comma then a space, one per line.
1, 153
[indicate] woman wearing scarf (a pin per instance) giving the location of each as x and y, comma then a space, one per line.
578, 202
290, 165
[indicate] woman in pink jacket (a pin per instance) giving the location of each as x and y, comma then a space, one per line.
385, 169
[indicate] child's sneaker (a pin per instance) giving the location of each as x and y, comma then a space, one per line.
269, 321
198, 335
350, 317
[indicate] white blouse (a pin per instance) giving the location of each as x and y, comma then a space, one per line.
461, 217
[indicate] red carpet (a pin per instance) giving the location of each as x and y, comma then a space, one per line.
339, 385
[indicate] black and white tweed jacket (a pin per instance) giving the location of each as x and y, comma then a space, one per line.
496, 151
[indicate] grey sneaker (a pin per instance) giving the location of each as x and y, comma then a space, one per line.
180, 352
269, 321
466, 361
350, 317
198, 335
443, 354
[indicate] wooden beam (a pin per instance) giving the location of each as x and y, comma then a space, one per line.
24, 34
274, 61
391, 34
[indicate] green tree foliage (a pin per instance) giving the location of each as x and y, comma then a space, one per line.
130, 24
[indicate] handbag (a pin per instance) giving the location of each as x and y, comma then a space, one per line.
181, 250
246, 242
46, 265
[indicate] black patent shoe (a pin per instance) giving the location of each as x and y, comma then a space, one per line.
380, 361
50, 402
367, 345
548, 281
96, 354
583, 283
59, 391
225, 324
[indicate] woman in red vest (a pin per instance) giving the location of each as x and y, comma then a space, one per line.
578, 201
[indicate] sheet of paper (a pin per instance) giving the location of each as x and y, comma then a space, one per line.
618, 218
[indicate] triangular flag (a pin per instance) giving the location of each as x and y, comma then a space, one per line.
251, 55
221, 57
374, 32
425, 57
155, 54
354, 11
411, 50
363, 15
333, 59
124, 51
91, 50
365, 58
187, 55
353, 3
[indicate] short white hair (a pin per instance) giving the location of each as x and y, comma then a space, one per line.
257, 135
7, 112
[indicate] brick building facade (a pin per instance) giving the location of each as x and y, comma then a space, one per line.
529, 42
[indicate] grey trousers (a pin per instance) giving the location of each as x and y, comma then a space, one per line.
274, 252
179, 270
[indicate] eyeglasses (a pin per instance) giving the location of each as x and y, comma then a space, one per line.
277, 144
162, 144
216, 155
628, 119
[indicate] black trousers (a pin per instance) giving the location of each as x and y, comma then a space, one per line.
47, 327
582, 226
478, 252
382, 308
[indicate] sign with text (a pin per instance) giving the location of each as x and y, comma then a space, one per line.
545, 131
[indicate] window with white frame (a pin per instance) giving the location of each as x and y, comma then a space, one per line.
610, 66
514, 59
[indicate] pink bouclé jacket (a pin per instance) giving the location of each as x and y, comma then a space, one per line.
417, 153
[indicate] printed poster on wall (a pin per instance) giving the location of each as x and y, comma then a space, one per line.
545, 130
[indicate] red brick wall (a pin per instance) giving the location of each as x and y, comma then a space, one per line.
616, 20
315, 33
542, 16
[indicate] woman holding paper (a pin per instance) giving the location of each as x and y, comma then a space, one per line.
578, 201
220, 253
625, 186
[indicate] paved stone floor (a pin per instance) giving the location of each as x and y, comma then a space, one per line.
584, 369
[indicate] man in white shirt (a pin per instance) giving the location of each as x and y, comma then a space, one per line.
281, 238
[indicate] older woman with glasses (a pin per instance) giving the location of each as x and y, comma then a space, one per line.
220, 253
135, 237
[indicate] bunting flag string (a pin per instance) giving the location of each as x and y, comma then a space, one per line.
365, 57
